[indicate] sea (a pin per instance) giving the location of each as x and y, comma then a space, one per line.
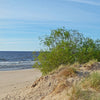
16, 60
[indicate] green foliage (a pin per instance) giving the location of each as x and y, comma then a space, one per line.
89, 50
64, 47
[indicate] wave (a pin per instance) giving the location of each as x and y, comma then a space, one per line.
16, 65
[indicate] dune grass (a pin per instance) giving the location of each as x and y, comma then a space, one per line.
65, 70
90, 64
92, 81
79, 93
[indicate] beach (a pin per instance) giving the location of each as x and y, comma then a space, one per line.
58, 85
11, 81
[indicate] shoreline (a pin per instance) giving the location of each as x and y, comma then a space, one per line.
13, 80
16, 69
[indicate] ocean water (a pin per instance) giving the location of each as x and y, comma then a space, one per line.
16, 60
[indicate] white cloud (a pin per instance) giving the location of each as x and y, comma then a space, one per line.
86, 2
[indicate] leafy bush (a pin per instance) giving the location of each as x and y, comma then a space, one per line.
64, 47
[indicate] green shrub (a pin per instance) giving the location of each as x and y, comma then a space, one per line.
64, 47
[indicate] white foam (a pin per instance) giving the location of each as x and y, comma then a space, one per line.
17, 63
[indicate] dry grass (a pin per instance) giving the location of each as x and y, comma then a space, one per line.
68, 72
79, 93
76, 65
90, 64
92, 81
57, 70
65, 70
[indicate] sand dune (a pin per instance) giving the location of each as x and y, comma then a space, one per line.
60, 84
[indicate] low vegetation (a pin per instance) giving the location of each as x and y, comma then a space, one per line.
65, 71
66, 47
92, 81
90, 64
79, 93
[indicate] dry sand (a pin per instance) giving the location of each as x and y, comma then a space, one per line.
11, 81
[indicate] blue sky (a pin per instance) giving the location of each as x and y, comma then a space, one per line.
22, 22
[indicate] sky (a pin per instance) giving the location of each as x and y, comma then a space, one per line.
22, 22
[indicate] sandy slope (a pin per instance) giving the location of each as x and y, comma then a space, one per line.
11, 81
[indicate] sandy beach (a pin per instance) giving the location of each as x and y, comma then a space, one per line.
58, 85
11, 81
